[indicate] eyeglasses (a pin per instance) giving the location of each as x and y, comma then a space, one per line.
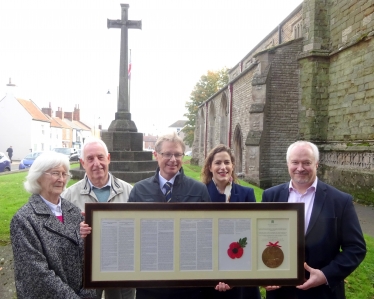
169, 156
57, 175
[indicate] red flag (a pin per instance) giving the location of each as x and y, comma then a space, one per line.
129, 71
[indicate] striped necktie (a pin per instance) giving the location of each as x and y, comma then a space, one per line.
167, 187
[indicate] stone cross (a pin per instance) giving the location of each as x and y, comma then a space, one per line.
123, 104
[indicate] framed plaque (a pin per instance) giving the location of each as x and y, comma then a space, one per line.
194, 244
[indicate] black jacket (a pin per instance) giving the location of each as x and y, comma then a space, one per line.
334, 242
185, 189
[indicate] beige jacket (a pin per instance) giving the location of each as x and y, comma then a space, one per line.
81, 192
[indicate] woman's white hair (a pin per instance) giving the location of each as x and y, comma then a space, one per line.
302, 142
43, 163
91, 140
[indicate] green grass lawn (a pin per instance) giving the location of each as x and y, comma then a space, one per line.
359, 285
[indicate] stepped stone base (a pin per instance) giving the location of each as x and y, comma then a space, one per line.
133, 166
122, 123
133, 177
129, 171
128, 160
123, 141
127, 176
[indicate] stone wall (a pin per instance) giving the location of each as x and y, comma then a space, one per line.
312, 78
350, 21
350, 169
241, 118
281, 113
198, 153
261, 98
351, 93
289, 29
244, 114
337, 101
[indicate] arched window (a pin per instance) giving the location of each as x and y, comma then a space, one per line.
238, 149
223, 119
212, 119
201, 129
298, 30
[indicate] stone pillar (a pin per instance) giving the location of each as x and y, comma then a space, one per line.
128, 160
254, 140
314, 71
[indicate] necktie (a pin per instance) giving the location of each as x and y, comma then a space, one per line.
167, 187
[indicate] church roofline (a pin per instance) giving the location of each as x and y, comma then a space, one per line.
268, 36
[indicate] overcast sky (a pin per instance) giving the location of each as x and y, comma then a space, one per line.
61, 52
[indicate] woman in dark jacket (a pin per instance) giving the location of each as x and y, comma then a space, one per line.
219, 176
47, 247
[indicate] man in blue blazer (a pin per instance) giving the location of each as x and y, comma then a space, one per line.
334, 244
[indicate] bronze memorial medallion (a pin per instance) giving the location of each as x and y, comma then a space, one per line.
273, 256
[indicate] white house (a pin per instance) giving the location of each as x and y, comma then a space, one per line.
26, 127
177, 127
23, 126
84, 132
74, 131
56, 133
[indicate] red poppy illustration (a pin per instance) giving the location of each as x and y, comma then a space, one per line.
236, 250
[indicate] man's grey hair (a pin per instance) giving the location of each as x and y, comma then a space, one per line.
302, 142
43, 163
91, 140
172, 137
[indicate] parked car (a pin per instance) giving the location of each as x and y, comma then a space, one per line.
188, 153
28, 160
4, 162
68, 151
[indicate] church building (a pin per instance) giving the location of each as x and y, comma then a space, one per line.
311, 78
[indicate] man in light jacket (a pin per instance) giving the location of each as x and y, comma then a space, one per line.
99, 185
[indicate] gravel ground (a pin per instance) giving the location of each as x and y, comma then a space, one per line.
8, 290
7, 287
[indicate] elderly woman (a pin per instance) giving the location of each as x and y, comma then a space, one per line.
47, 247
219, 176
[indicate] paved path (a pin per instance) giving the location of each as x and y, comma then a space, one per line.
366, 216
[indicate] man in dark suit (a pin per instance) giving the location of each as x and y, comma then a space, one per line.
169, 184
334, 244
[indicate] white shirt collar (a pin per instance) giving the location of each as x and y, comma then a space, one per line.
162, 180
55, 209
314, 186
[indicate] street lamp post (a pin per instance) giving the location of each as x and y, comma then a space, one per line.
98, 118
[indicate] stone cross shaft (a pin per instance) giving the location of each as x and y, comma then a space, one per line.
124, 24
